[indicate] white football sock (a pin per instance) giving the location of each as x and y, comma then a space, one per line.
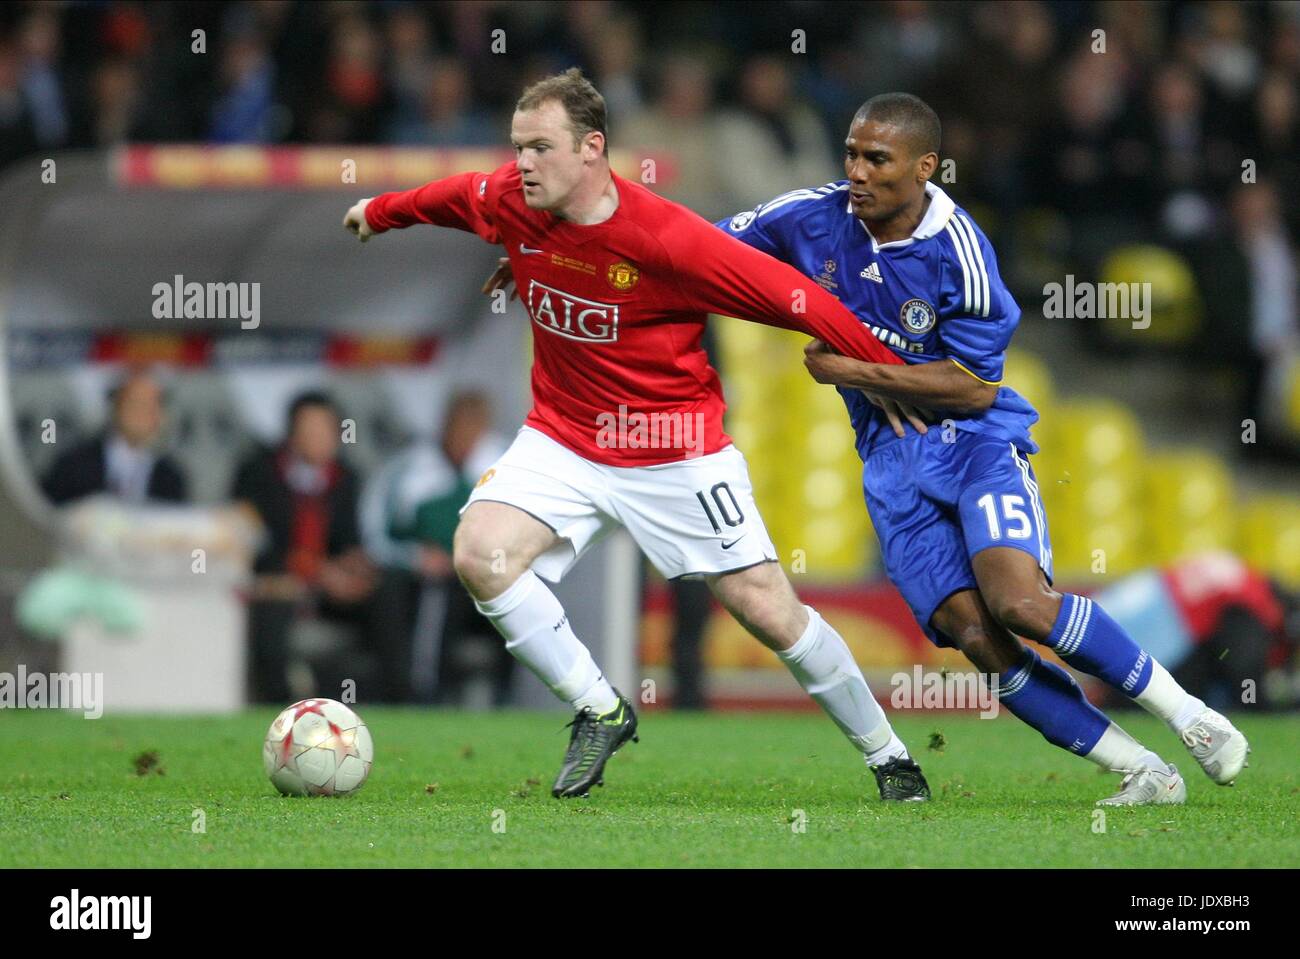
885, 753
537, 633
1164, 698
824, 667
1118, 751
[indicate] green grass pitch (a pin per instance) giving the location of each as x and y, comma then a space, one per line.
699, 790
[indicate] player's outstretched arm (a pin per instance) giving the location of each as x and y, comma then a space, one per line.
719, 274
460, 202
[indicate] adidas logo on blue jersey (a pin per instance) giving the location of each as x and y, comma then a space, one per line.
872, 273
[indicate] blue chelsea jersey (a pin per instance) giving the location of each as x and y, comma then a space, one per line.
936, 295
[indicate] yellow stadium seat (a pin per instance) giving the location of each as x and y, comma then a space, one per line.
1175, 304
1029, 376
1192, 507
825, 440
1097, 499
1269, 537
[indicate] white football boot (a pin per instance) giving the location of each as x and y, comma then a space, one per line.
1149, 787
1217, 745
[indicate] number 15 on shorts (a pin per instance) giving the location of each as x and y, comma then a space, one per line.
1013, 522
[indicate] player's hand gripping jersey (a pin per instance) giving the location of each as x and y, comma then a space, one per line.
619, 307
935, 295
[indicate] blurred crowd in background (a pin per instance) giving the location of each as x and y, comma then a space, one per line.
1037, 107
1073, 127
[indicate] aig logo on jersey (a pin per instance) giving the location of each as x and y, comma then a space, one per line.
918, 316
571, 316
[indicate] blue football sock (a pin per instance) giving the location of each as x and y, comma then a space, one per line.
1046, 697
1089, 640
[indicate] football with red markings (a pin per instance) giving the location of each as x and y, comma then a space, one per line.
318, 747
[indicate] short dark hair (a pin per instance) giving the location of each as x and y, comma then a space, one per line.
911, 114
304, 400
582, 103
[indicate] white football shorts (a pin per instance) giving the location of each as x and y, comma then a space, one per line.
690, 517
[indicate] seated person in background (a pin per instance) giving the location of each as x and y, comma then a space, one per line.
122, 459
306, 497
1227, 633
409, 511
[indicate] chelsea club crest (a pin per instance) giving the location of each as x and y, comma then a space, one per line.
918, 316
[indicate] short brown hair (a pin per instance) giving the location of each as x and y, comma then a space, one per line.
582, 102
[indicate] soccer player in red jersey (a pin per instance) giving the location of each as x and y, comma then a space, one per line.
626, 424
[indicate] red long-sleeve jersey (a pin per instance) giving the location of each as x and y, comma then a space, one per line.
618, 307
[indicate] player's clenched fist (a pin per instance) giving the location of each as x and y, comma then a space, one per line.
354, 221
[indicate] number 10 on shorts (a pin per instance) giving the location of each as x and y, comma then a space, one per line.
1014, 520
724, 508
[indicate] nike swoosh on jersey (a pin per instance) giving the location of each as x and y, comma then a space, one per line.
527, 249
733, 542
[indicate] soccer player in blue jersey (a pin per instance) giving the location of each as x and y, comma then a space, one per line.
957, 509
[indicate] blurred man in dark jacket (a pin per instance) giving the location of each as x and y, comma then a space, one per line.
122, 459
312, 560
1249, 275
